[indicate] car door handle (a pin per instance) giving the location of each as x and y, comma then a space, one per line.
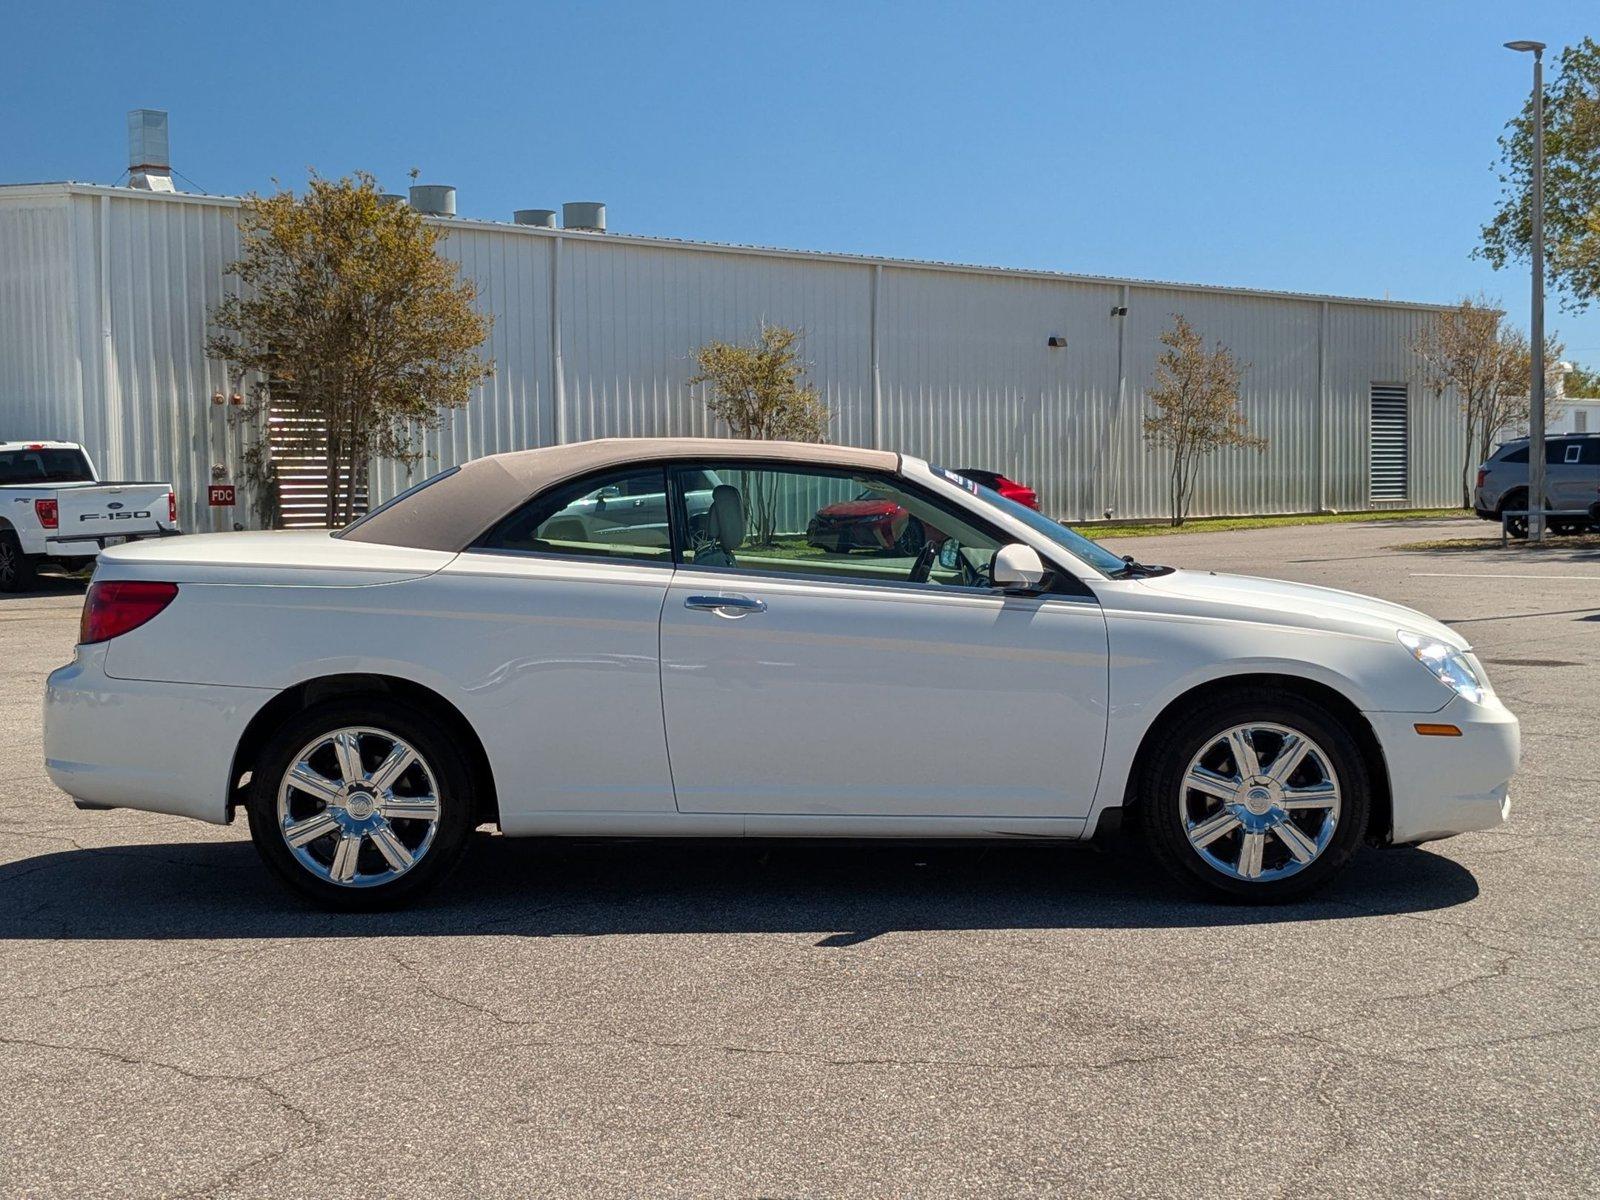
726, 606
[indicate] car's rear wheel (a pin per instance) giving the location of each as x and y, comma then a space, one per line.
1517, 527
1257, 797
17, 570
361, 804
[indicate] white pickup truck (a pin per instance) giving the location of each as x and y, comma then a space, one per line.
54, 510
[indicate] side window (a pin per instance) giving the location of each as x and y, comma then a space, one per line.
1556, 452
1591, 452
622, 515
835, 524
1520, 455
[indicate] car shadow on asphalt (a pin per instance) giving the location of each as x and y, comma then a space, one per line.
844, 893
51, 585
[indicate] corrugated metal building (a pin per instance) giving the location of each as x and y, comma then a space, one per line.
104, 294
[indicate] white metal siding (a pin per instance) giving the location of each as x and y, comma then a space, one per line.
41, 390
104, 294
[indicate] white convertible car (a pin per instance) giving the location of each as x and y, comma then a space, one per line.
634, 638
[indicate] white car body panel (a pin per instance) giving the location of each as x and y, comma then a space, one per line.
109, 743
606, 707
912, 702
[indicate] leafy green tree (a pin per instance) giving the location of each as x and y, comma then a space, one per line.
1583, 383
1571, 181
759, 391
350, 321
1196, 396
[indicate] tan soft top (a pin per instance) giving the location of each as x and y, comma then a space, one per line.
450, 514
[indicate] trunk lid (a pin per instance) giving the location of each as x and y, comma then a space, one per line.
312, 557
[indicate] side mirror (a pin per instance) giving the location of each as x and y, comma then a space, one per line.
1018, 570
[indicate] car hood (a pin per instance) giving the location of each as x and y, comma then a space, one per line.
1278, 602
860, 508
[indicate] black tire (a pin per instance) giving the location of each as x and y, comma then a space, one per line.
911, 540
1517, 527
456, 802
18, 571
1160, 816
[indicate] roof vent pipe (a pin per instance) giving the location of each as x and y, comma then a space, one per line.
540, 218
433, 199
586, 216
149, 159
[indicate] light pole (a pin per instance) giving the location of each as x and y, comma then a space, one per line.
1536, 336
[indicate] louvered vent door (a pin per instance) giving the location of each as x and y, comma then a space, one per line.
299, 449
1389, 444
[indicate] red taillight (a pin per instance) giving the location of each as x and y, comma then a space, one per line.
48, 512
1483, 473
172, 507
115, 606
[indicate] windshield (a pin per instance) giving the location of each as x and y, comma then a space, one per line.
1074, 543
44, 466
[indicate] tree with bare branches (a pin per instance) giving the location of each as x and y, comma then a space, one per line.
1472, 351
1196, 397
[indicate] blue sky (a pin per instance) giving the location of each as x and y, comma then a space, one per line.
1341, 147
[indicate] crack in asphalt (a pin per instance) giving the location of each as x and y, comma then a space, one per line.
256, 1081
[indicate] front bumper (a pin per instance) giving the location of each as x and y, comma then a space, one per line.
1442, 786
130, 743
842, 538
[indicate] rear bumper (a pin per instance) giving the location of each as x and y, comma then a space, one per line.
1443, 786
127, 743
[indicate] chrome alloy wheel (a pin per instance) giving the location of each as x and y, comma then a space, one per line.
358, 807
1260, 801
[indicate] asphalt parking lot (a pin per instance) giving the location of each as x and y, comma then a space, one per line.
685, 1020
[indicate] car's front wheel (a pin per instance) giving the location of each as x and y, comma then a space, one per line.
911, 540
361, 804
1258, 797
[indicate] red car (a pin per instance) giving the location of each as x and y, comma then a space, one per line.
1009, 488
870, 522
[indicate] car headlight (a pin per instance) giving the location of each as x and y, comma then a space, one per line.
1448, 665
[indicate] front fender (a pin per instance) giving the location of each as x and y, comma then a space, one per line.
1155, 659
